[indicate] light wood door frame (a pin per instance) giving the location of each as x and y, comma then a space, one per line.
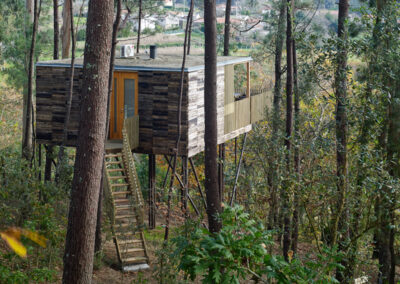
117, 103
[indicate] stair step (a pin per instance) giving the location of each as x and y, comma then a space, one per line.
121, 192
123, 206
113, 162
113, 155
130, 250
116, 170
124, 225
117, 177
137, 259
125, 216
119, 184
121, 200
131, 241
127, 233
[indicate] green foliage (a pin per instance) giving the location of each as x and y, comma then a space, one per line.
15, 36
239, 252
29, 203
81, 35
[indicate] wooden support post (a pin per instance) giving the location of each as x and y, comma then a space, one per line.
152, 191
233, 197
248, 81
221, 180
166, 176
235, 152
185, 180
198, 183
40, 162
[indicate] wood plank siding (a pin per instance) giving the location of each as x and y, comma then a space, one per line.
158, 99
52, 89
196, 110
158, 113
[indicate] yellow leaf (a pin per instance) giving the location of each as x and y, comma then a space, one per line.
290, 255
13, 242
39, 239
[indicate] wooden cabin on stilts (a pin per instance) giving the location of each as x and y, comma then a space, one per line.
143, 119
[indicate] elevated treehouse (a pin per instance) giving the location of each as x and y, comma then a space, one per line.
144, 105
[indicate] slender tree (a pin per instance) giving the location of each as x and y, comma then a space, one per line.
139, 30
289, 125
272, 173
296, 130
210, 110
227, 26
66, 29
61, 152
387, 27
116, 25
79, 248
56, 30
29, 5
341, 118
190, 23
339, 221
179, 122
27, 137
56, 35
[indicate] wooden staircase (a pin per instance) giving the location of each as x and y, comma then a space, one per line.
125, 207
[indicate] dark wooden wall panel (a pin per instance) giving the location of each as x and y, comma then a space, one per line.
158, 113
52, 89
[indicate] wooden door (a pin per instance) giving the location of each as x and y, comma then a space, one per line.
124, 101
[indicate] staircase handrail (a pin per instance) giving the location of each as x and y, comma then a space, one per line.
132, 174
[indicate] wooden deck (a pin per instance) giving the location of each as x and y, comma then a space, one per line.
113, 146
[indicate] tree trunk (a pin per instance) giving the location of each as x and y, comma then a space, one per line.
139, 26
79, 247
178, 137
289, 121
30, 10
66, 29
210, 118
61, 155
272, 174
227, 26
27, 137
190, 23
341, 118
387, 197
339, 225
296, 204
49, 160
98, 240
56, 30
56, 35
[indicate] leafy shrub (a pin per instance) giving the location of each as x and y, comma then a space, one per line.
29, 203
239, 252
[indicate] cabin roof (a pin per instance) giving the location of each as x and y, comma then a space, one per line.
142, 62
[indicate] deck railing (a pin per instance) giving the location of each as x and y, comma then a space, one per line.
245, 111
131, 173
131, 125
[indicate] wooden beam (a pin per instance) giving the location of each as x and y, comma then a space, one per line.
152, 191
221, 162
185, 188
198, 182
248, 80
233, 197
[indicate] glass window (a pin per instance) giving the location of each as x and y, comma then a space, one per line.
129, 97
